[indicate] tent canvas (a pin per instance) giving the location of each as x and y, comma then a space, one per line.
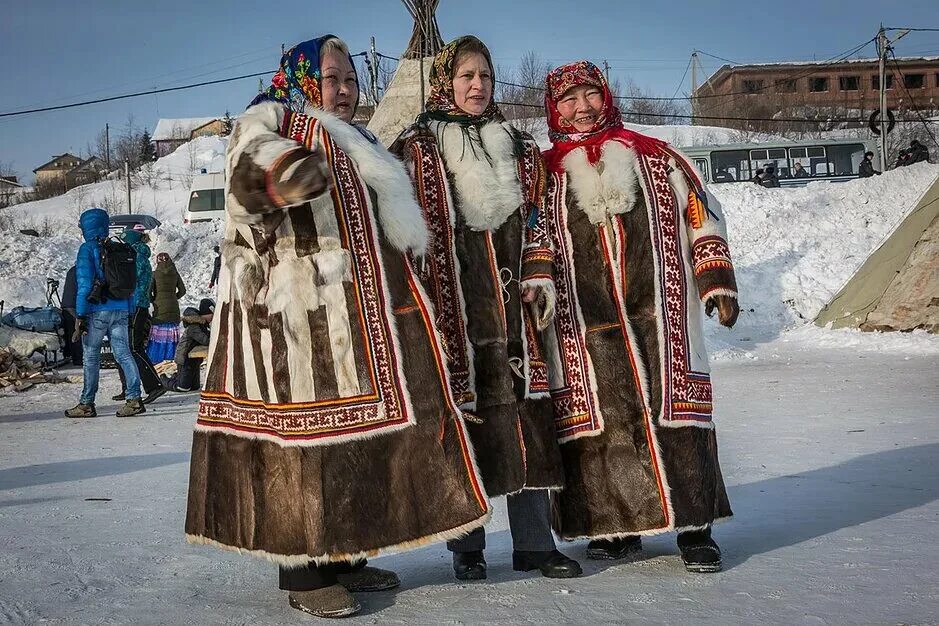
897, 288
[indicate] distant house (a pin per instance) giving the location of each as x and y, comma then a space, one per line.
10, 188
170, 134
88, 171
53, 173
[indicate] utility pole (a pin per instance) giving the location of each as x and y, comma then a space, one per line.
606, 71
107, 146
883, 47
694, 81
127, 178
373, 72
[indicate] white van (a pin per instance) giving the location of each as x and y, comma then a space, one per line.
206, 198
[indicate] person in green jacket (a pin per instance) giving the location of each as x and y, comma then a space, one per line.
140, 321
165, 291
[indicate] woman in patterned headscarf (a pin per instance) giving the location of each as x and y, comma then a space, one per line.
641, 249
327, 431
489, 273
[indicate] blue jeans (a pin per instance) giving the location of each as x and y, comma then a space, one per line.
113, 325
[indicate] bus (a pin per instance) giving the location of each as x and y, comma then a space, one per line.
833, 160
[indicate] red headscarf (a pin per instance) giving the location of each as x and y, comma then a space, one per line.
609, 124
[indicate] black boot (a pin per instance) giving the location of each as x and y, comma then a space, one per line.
552, 564
119, 397
469, 565
699, 552
613, 549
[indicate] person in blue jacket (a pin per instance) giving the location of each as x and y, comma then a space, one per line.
140, 320
108, 318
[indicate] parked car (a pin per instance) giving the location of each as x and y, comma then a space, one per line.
119, 223
206, 198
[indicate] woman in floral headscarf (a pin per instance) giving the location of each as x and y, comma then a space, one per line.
640, 248
489, 273
326, 430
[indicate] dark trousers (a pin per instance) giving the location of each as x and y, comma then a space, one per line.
311, 576
139, 335
73, 349
529, 522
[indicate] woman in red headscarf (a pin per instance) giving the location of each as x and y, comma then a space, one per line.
640, 247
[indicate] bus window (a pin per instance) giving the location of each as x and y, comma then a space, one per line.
777, 156
702, 165
845, 160
731, 165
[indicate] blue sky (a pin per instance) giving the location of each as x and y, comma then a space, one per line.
55, 52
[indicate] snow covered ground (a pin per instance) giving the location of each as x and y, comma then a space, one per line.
830, 456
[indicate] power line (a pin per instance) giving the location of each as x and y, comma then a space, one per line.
144, 93
135, 95
682, 81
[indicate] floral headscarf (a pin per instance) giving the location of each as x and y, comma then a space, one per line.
297, 83
441, 104
609, 124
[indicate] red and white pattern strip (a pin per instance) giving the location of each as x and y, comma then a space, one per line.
388, 408
440, 274
686, 394
576, 411
710, 252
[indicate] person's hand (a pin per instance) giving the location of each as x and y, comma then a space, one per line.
540, 300
727, 309
81, 329
298, 180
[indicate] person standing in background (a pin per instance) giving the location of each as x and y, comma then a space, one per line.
140, 322
218, 268
165, 290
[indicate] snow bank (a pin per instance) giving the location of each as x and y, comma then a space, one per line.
160, 189
26, 262
679, 135
794, 248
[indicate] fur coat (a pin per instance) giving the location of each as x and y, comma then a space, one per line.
326, 429
482, 189
640, 247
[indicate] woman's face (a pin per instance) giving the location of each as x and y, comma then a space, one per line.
581, 106
472, 83
338, 85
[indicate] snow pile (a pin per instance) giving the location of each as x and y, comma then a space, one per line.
679, 135
160, 189
794, 248
26, 262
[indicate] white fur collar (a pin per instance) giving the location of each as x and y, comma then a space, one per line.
401, 217
609, 187
488, 192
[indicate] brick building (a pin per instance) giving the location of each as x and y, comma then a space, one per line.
808, 89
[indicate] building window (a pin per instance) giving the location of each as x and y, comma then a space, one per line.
818, 83
786, 86
752, 86
875, 82
850, 83
914, 81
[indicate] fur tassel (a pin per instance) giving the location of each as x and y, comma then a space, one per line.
488, 189
609, 188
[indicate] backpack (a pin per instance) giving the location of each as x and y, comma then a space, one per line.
119, 264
